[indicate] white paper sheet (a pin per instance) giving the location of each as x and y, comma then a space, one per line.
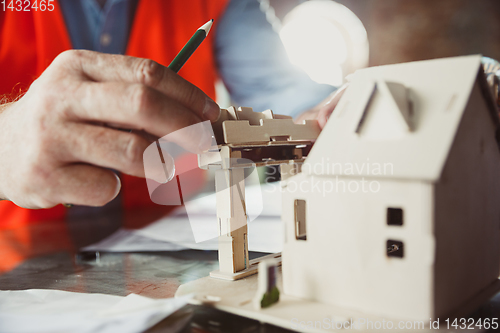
264, 233
125, 240
261, 200
199, 231
174, 233
54, 311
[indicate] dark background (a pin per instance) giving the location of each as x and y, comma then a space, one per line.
408, 30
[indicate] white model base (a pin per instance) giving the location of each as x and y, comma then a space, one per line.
252, 268
303, 315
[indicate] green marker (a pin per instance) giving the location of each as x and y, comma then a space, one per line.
191, 46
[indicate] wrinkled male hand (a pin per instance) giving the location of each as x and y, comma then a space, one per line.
58, 142
323, 110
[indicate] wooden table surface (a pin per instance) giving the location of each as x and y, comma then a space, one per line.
46, 255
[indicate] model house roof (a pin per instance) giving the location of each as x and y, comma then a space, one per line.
400, 118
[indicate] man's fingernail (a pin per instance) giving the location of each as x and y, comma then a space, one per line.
211, 111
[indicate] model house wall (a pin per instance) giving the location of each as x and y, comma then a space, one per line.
344, 261
421, 237
467, 210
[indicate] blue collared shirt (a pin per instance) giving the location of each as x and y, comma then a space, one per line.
99, 29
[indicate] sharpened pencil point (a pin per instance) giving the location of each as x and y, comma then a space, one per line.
207, 26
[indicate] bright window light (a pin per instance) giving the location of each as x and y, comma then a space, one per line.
326, 40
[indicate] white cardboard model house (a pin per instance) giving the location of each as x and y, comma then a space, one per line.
397, 209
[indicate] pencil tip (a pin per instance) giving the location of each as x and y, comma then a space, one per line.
207, 26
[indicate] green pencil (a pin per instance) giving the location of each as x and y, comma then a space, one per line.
176, 64
191, 46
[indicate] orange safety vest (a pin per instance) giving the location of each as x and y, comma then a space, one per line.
29, 41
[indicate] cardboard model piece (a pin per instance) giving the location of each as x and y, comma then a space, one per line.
396, 212
247, 139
